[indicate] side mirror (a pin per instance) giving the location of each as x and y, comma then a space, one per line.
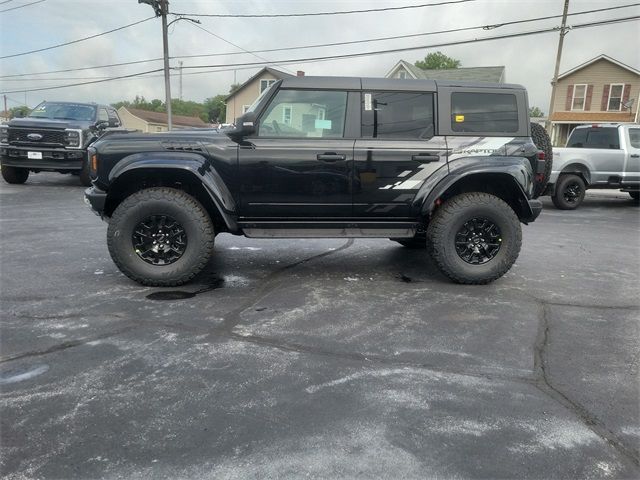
101, 125
245, 125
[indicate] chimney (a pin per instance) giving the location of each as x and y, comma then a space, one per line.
300, 73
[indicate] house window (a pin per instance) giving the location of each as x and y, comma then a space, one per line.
402, 74
286, 114
615, 96
264, 84
579, 93
245, 108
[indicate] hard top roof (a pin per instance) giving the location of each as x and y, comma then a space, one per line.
365, 83
89, 104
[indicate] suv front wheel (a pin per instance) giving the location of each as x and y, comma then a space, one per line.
14, 175
474, 238
160, 237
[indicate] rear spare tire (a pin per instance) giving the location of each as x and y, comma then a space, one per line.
474, 238
160, 237
541, 139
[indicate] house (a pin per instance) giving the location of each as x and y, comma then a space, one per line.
601, 90
404, 69
147, 121
241, 99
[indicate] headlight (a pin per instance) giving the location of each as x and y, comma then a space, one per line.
4, 134
73, 138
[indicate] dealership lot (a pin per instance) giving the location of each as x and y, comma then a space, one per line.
321, 358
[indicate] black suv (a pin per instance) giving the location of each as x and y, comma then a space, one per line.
446, 166
53, 137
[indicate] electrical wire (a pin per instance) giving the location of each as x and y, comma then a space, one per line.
302, 47
340, 57
317, 14
20, 6
78, 40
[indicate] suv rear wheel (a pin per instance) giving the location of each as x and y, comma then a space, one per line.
14, 175
474, 238
160, 237
570, 191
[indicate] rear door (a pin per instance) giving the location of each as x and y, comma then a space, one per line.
632, 163
398, 151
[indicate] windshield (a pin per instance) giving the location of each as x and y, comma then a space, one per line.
64, 111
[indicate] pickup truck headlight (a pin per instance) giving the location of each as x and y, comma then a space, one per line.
4, 134
73, 138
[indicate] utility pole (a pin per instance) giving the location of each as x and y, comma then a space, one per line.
180, 64
161, 7
6, 112
554, 82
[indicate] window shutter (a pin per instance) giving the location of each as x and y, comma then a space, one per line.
567, 103
625, 94
605, 98
587, 100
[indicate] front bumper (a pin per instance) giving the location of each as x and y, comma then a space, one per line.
96, 199
536, 207
54, 159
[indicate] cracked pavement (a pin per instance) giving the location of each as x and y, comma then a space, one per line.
322, 358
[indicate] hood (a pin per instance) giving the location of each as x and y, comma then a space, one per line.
32, 122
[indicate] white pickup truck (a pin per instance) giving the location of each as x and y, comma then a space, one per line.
596, 156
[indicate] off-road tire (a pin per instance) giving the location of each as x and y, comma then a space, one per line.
541, 139
85, 179
561, 199
450, 218
635, 195
14, 175
182, 207
417, 242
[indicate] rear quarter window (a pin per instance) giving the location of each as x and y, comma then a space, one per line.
484, 112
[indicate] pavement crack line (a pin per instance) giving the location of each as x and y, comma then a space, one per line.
543, 383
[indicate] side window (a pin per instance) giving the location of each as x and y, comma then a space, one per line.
304, 113
103, 116
114, 120
634, 137
484, 112
602, 138
577, 138
397, 115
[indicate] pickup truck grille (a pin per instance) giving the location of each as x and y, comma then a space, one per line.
19, 136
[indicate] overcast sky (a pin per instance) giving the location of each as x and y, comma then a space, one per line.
528, 60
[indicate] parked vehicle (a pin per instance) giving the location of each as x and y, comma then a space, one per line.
54, 137
448, 166
596, 156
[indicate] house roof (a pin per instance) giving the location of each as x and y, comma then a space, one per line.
595, 117
479, 74
279, 74
160, 117
594, 60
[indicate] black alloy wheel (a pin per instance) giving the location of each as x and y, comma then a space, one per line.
572, 192
478, 241
159, 240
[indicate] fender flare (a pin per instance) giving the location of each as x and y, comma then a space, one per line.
199, 167
515, 170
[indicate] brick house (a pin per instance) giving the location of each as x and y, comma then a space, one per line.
601, 90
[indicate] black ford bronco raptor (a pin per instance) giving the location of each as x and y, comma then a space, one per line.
448, 166
54, 137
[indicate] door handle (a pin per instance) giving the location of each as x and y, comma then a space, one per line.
330, 157
425, 158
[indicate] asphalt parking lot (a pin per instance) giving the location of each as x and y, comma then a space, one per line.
318, 358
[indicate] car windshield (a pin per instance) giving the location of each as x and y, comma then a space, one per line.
64, 111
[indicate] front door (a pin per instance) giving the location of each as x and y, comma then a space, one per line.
298, 164
397, 153
632, 162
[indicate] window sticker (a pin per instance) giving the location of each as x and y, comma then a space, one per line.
459, 118
323, 124
367, 102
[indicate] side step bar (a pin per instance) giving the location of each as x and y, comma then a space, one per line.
328, 229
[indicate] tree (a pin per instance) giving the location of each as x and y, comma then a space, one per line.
437, 61
216, 108
19, 112
535, 112
234, 87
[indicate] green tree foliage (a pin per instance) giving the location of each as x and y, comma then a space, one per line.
535, 112
19, 112
437, 61
216, 108
234, 87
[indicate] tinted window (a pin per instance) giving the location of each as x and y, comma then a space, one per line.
397, 115
102, 115
484, 112
577, 138
303, 113
602, 138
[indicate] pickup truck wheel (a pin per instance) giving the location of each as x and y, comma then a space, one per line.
541, 139
474, 238
14, 175
635, 195
160, 237
570, 191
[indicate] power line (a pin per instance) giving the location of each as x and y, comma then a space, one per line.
78, 40
340, 57
352, 42
21, 6
316, 14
